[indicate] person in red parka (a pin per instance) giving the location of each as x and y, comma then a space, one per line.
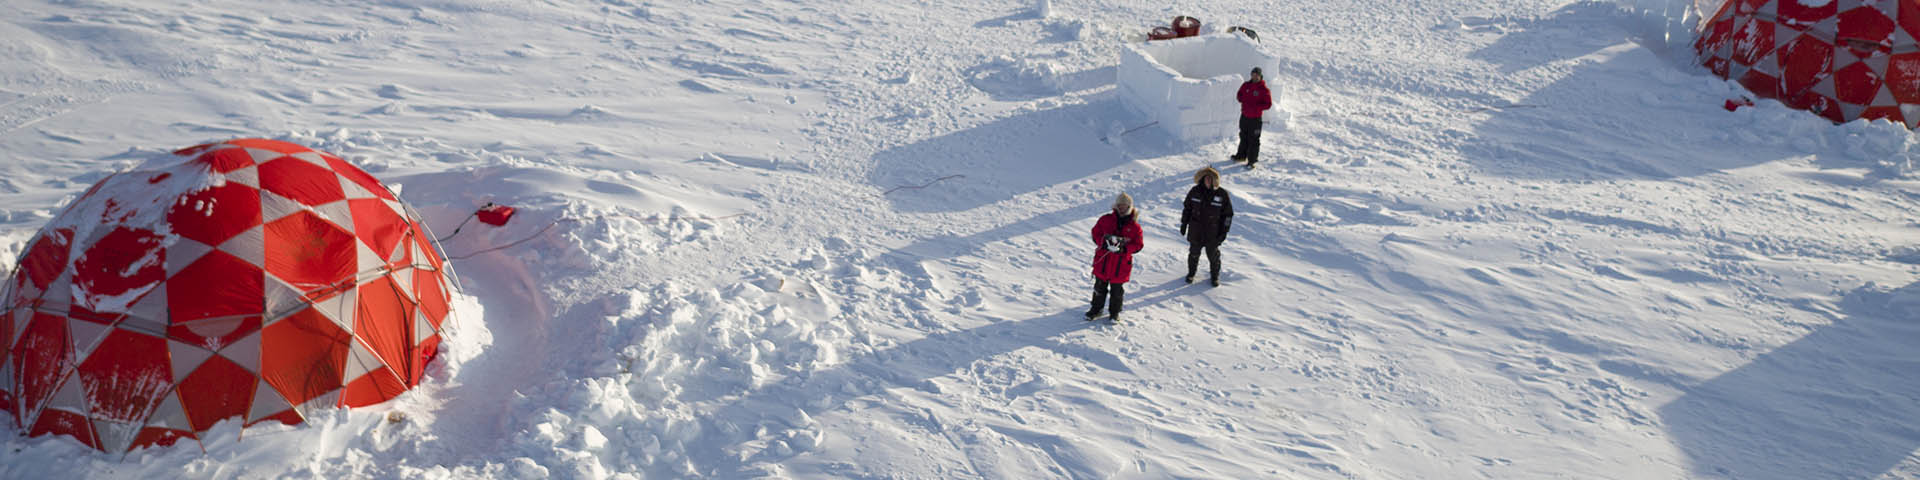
1254, 102
1116, 237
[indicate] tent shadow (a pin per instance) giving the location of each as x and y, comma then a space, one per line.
1842, 402
1007, 157
1530, 43
1623, 96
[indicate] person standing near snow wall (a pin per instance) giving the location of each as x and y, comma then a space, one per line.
1254, 99
1204, 220
1116, 237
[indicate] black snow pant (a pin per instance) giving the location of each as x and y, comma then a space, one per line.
1249, 140
1101, 288
1213, 259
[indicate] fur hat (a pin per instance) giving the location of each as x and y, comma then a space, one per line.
1200, 177
1124, 200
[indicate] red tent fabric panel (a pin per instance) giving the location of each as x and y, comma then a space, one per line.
215, 391
374, 387
47, 257
432, 296
1908, 18
216, 214
225, 289
378, 225
225, 160
40, 358
301, 181
1876, 113
431, 255
303, 356
117, 264
1903, 75
62, 422
1753, 41
309, 252
125, 376
1802, 62
1761, 84
384, 322
1856, 83
288, 417
1866, 27
423, 354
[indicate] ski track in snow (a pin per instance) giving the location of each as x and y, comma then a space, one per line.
1511, 239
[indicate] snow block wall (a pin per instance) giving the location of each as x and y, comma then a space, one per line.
1188, 84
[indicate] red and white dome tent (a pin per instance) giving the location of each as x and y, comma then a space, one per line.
250, 279
1841, 59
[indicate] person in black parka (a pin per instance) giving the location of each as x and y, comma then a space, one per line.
1204, 220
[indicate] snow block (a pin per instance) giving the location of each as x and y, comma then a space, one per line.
1188, 84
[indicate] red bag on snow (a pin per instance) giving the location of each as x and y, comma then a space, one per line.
495, 215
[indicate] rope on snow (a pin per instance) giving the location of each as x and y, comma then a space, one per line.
1130, 130
456, 228
917, 187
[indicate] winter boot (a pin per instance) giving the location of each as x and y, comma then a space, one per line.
1189, 279
1215, 280
1093, 314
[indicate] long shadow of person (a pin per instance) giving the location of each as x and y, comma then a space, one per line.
1842, 402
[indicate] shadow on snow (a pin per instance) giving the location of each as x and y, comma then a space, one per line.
1842, 402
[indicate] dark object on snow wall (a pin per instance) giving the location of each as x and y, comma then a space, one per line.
1248, 31
1183, 26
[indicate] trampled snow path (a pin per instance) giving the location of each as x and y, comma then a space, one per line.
1511, 239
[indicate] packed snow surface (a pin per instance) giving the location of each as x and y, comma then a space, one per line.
849, 239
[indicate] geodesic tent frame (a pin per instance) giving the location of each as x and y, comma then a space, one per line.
250, 279
1840, 59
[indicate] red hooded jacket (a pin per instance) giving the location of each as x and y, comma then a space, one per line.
1115, 267
1254, 99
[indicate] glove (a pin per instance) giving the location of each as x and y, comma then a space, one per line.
1183, 229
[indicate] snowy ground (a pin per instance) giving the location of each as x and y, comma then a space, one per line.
1490, 239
